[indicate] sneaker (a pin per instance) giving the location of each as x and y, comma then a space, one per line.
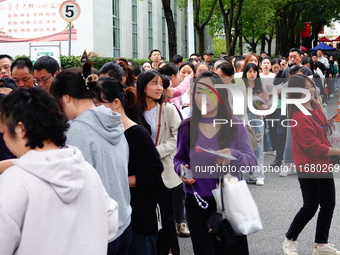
182, 230
259, 183
274, 153
285, 171
276, 163
283, 174
251, 181
328, 249
289, 247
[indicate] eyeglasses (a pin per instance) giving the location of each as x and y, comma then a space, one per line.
42, 80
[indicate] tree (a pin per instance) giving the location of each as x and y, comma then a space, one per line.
231, 12
172, 35
203, 12
291, 14
320, 13
257, 22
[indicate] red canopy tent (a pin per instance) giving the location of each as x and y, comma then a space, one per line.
324, 39
303, 48
336, 39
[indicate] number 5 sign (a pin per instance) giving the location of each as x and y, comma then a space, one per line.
69, 11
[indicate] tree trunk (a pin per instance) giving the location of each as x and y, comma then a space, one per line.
263, 43
231, 18
172, 36
200, 26
240, 45
200, 36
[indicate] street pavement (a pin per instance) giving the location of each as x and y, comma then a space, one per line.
278, 201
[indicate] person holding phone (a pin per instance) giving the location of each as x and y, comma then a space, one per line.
199, 130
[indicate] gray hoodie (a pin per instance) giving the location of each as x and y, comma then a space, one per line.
99, 134
47, 206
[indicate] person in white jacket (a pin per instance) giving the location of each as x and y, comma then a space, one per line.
51, 200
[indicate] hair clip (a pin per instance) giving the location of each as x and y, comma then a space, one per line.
89, 78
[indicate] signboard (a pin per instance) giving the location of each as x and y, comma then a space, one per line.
32, 21
69, 11
36, 51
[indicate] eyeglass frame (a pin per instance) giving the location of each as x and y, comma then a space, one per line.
42, 80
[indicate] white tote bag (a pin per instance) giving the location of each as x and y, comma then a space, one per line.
240, 207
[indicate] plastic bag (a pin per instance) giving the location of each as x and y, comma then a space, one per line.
333, 136
240, 207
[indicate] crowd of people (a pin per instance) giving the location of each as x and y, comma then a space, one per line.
99, 154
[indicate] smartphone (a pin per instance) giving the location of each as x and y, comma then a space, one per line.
186, 173
334, 116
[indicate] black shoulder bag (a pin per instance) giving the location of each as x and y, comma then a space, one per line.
219, 226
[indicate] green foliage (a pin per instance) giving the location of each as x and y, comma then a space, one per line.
98, 62
22, 56
219, 46
68, 62
139, 61
257, 18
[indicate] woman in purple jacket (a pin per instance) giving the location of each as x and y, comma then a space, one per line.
209, 104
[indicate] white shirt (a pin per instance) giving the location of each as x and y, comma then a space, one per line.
151, 119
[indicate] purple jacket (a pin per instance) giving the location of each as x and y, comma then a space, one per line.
203, 164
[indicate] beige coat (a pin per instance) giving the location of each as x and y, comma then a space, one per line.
166, 145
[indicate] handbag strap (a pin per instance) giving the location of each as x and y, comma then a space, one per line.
159, 123
222, 202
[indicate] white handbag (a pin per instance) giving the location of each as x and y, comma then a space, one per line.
240, 207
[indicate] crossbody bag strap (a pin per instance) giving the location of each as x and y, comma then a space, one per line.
222, 202
159, 123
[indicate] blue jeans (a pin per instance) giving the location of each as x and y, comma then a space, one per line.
143, 245
259, 173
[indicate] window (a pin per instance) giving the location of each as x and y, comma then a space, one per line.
186, 53
134, 29
164, 51
150, 25
116, 28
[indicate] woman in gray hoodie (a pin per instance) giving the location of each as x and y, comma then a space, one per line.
99, 134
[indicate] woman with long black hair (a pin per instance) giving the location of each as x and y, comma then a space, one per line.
199, 130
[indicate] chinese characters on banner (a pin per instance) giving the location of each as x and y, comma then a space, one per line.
31, 19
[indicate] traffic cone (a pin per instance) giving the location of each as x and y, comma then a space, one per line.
338, 110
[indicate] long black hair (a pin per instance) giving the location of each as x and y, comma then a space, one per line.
143, 79
258, 84
108, 89
227, 133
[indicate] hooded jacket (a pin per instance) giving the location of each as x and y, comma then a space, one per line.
53, 202
99, 134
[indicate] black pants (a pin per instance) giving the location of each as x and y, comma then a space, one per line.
120, 246
315, 192
167, 235
179, 204
203, 243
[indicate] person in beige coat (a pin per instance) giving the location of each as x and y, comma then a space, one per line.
164, 121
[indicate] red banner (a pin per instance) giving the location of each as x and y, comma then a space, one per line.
306, 31
322, 30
